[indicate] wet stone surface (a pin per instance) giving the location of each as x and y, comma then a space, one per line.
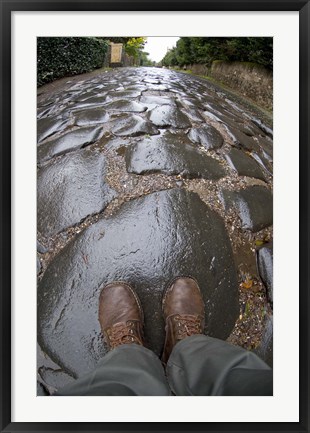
68, 142
171, 154
244, 164
54, 378
120, 94
147, 243
71, 189
125, 105
266, 146
168, 115
50, 376
133, 125
38, 266
265, 349
242, 140
264, 164
152, 101
194, 115
253, 205
48, 126
41, 248
91, 117
144, 202
207, 136
265, 268
41, 392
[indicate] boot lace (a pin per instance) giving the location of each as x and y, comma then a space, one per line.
187, 325
123, 333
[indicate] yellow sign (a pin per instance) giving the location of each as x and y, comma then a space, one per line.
116, 53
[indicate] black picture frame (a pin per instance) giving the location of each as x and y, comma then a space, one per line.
7, 7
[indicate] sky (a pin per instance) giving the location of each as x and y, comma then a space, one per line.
157, 46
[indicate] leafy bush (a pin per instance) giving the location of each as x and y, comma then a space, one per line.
58, 56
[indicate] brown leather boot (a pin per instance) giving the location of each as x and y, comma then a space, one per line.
183, 309
120, 315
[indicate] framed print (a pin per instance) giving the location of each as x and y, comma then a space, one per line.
85, 197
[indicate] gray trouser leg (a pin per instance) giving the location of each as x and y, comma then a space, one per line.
129, 369
201, 365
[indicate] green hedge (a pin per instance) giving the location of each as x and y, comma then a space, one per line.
191, 50
58, 57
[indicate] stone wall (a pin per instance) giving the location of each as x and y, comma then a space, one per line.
128, 60
198, 69
251, 80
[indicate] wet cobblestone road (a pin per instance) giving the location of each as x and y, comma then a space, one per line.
145, 174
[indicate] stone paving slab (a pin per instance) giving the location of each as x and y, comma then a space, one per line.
236, 121
93, 101
242, 140
207, 136
243, 164
211, 116
88, 95
132, 126
127, 94
267, 147
171, 154
68, 142
56, 111
192, 102
157, 87
120, 105
50, 375
264, 164
265, 268
262, 126
91, 116
152, 101
265, 349
147, 242
70, 190
168, 115
48, 126
253, 205
194, 115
